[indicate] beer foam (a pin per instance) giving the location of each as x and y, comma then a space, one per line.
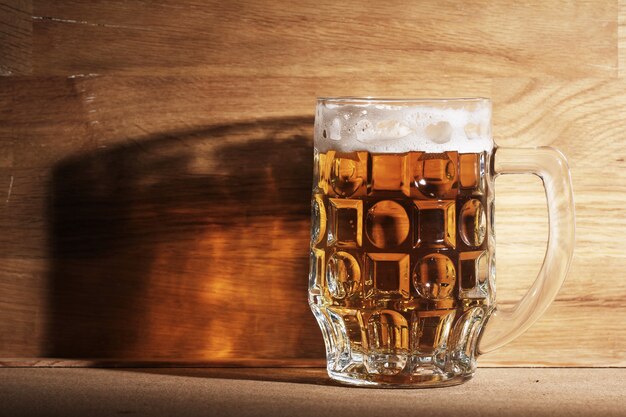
385, 127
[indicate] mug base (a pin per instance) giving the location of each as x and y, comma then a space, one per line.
424, 377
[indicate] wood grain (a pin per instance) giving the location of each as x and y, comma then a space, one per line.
16, 36
560, 38
155, 170
621, 36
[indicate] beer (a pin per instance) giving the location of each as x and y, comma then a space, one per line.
401, 261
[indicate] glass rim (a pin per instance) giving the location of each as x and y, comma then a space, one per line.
347, 100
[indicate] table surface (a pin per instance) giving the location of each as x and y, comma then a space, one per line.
304, 392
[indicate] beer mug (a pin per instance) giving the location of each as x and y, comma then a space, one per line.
402, 274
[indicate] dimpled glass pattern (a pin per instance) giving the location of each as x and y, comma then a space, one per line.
400, 258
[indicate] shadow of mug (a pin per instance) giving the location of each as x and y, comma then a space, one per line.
186, 245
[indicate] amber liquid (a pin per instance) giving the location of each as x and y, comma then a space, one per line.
399, 252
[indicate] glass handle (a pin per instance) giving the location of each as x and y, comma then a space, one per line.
551, 166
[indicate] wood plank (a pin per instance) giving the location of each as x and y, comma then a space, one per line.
23, 306
41, 123
569, 334
583, 118
142, 226
40, 362
621, 38
16, 36
477, 38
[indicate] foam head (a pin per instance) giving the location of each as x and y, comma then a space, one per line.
398, 126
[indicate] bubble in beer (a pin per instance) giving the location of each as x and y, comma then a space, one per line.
364, 130
434, 277
363, 125
472, 131
439, 132
335, 129
473, 223
343, 275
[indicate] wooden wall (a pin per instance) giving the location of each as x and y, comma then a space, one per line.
155, 165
